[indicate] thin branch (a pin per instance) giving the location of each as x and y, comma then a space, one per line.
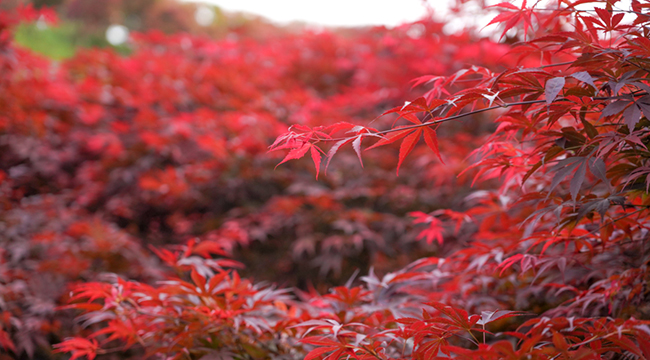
434, 122
637, 65
593, 11
558, 64
459, 116
610, 222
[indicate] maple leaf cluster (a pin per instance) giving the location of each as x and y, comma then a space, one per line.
137, 193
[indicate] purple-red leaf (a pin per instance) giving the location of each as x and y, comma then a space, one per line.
614, 108
553, 88
578, 179
631, 116
584, 77
356, 145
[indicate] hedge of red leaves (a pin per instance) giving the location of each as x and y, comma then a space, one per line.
103, 154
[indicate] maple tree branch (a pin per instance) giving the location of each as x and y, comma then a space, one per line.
459, 116
593, 11
558, 64
637, 65
611, 222
439, 121
474, 337
541, 67
633, 205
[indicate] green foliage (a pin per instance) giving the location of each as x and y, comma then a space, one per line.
54, 41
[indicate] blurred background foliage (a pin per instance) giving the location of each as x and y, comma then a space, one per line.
84, 23
231, 70
179, 74
103, 156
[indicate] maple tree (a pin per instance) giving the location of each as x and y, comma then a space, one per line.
545, 259
569, 218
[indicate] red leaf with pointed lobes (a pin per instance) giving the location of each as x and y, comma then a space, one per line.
390, 138
407, 146
509, 17
424, 262
339, 126
295, 153
198, 280
165, 255
505, 5
316, 156
560, 341
356, 145
433, 232
78, 347
643, 338
417, 105
319, 351
458, 317
332, 151
207, 248
605, 16
509, 262
216, 279
411, 118
423, 80
326, 345
280, 139
512, 18
431, 140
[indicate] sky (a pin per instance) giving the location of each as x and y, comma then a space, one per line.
331, 12
362, 12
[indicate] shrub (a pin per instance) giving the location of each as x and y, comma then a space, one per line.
547, 260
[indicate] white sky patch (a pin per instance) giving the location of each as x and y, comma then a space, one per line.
376, 12
331, 12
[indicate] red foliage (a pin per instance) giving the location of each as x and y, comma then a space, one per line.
167, 147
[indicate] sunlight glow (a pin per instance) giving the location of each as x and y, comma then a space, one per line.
117, 34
